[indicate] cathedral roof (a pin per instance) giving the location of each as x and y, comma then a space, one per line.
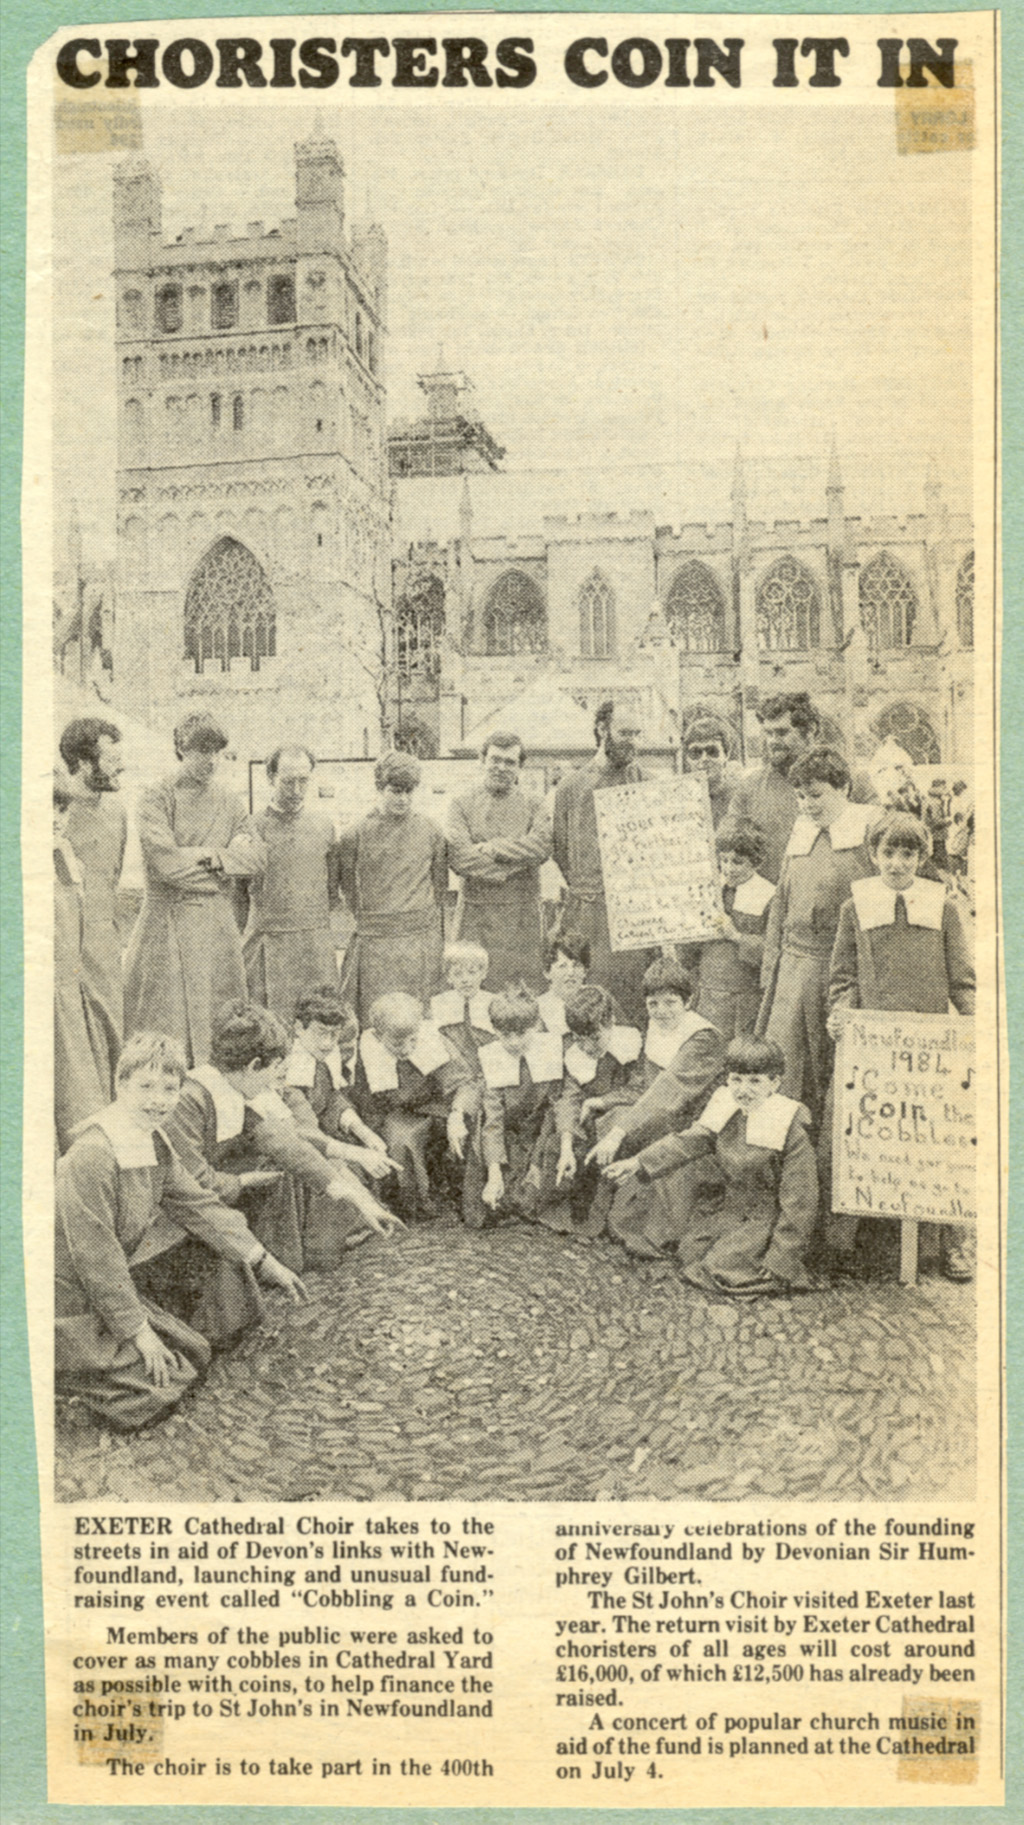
514, 504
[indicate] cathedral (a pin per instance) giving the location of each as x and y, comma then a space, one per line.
507, 608
285, 558
253, 560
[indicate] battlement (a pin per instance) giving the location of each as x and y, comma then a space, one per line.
566, 528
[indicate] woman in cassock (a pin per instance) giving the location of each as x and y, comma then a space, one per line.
393, 871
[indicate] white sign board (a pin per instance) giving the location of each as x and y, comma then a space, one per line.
905, 1142
658, 860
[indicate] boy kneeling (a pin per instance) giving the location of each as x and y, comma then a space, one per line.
414, 1089
746, 1229
232, 1122
152, 1270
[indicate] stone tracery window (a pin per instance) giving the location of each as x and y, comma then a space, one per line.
965, 602
229, 609
515, 618
788, 608
597, 617
888, 603
419, 629
695, 609
910, 728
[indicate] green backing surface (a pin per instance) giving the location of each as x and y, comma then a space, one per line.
25, 27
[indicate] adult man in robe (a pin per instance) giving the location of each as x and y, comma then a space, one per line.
498, 836
791, 727
185, 957
96, 830
288, 944
393, 871
576, 850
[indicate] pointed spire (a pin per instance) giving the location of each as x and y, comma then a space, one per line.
465, 511
835, 474
932, 484
739, 486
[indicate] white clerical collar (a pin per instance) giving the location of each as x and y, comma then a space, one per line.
847, 832
766, 1126
300, 1071
132, 1145
661, 1047
228, 1103
542, 1056
751, 897
449, 1007
552, 1012
381, 1067
624, 1045
876, 903
71, 861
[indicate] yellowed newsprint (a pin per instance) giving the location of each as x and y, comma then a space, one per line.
571, 1374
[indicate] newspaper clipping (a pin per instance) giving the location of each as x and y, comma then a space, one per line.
511, 637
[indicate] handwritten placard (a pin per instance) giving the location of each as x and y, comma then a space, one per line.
905, 1141
658, 860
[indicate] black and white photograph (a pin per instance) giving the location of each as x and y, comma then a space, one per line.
514, 778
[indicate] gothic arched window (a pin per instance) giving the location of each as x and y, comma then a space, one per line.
229, 609
515, 619
224, 305
695, 609
965, 602
281, 298
419, 630
788, 608
597, 617
237, 412
132, 315
168, 309
888, 604
907, 725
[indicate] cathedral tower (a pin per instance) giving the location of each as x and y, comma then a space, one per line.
253, 537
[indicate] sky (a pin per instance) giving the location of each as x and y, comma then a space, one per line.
626, 288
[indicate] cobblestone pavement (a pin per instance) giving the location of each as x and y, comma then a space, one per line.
519, 1365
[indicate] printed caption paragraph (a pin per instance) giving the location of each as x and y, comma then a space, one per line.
359, 1655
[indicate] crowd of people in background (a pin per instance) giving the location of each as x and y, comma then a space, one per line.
236, 1106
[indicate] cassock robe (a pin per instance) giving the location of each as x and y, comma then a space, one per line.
517, 1096
677, 1070
288, 944
129, 1215
82, 1039
729, 972
407, 1102
741, 1223
911, 958
499, 900
616, 1078
819, 870
217, 1133
767, 799
184, 961
394, 875
576, 850
97, 831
